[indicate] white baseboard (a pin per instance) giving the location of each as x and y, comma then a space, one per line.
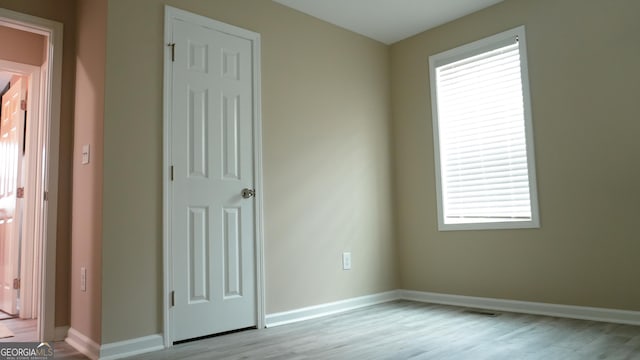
116, 350
121, 349
312, 312
60, 333
526, 307
83, 344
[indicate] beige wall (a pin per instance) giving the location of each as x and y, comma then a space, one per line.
583, 68
326, 109
62, 11
21, 46
327, 97
86, 231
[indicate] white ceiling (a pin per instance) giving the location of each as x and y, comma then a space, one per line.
388, 21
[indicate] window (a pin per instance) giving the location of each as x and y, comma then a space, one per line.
485, 173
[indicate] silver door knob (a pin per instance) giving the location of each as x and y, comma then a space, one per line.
247, 193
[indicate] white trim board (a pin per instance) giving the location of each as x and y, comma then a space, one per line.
83, 344
122, 349
116, 350
526, 307
316, 311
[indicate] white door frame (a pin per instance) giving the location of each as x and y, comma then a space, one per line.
46, 163
173, 14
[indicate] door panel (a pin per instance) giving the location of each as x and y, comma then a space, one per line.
198, 259
11, 138
213, 235
233, 257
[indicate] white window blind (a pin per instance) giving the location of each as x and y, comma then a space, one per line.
481, 139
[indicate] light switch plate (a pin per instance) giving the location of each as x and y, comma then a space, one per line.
83, 279
85, 154
346, 261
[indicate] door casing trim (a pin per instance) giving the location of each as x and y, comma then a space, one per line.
48, 141
174, 14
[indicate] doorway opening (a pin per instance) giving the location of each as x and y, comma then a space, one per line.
19, 90
29, 178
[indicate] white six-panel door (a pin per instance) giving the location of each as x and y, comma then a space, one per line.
212, 237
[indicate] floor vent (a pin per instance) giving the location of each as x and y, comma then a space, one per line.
481, 312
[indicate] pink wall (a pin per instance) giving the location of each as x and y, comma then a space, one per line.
86, 227
21, 46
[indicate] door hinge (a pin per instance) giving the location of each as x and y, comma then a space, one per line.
16, 283
23, 105
173, 298
173, 51
171, 172
20, 192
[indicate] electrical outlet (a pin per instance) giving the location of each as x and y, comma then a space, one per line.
83, 279
346, 261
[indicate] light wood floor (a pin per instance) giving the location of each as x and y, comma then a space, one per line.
409, 330
25, 331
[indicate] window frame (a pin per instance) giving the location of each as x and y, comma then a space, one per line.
467, 51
